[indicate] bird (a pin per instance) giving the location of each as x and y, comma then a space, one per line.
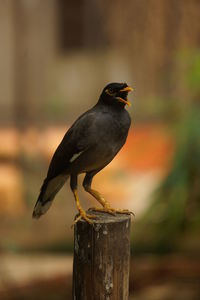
88, 146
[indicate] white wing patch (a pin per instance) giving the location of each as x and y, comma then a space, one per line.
75, 156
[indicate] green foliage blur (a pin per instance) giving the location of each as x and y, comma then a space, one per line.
172, 221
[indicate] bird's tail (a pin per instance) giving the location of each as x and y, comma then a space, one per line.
48, 191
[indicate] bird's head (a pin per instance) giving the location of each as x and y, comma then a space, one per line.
116, 94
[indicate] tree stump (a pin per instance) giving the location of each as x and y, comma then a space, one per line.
101, 258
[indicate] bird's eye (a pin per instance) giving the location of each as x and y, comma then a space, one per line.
110, 92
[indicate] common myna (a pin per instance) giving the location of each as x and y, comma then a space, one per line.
87, 147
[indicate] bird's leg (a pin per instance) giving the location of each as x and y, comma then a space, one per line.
100, 199
106, 206
82, 213
87, 186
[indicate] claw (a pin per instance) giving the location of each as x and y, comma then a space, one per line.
104, 209
112, 211
82, 213
84, 216
125, 211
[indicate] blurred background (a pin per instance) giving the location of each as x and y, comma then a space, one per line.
55, 58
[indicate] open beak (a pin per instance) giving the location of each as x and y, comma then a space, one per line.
124, 101
126, 89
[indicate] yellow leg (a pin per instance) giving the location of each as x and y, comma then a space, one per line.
98, 197
82, 213
106, 206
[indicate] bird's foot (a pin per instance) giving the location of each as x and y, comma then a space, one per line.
124, 211
108, 209
82, 215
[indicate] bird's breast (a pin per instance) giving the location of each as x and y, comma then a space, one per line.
103, 139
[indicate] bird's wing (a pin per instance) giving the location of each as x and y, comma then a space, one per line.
76, 140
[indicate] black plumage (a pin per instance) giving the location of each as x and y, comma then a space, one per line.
88, 146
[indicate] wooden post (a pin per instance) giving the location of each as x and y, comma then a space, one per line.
101, 258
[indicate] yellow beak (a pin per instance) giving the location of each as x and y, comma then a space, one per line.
126, 89
124, 101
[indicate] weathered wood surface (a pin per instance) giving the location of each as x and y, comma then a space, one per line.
101, 258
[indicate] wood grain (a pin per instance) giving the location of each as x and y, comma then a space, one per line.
101, 258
